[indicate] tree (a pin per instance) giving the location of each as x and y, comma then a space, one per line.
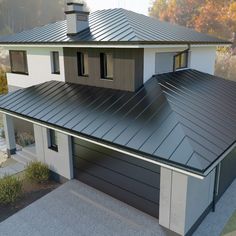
16, 16
216, 17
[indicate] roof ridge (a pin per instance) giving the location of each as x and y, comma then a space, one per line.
130, 24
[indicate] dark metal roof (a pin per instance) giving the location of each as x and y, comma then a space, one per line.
185, 119
114, 25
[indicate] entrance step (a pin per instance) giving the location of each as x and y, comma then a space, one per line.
24, 157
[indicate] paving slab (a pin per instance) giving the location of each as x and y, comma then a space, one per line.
215, 222
77, 209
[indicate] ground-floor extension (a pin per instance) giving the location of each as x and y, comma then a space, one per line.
179, 201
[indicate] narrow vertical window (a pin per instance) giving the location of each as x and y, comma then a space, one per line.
106, 65
55, 62
181, 60
82, 60
52, 140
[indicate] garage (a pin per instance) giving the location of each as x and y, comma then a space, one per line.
227, 172
128, 179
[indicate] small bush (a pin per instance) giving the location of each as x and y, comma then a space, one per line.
2, 133
10, 189
37, 172
24, 139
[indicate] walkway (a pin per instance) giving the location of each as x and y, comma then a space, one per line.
11, 167
214, 223
77, 209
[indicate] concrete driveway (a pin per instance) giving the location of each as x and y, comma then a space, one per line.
77, 209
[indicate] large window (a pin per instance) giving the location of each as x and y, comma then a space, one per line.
18, 60
82, 60
181, 60
55, 63
52, 140
106, 63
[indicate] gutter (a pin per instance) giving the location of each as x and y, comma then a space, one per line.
81, 137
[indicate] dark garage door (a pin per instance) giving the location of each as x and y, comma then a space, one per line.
128, 179
227, 172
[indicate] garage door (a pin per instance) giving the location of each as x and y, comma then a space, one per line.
128, 179
227, 172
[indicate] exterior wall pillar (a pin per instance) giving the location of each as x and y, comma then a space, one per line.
184, 200
60, 162
9, 134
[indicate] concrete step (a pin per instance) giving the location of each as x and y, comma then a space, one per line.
20, 159
24, 157
30, 150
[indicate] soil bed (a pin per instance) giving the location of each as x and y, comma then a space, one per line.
31, 193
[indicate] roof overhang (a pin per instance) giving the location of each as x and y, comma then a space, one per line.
115, 45
102, 143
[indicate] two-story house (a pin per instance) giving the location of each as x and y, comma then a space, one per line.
129, 105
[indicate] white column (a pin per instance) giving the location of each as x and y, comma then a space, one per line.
9, 134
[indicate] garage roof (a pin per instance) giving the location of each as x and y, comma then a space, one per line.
185, 119
114, 26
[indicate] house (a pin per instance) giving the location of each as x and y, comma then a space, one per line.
129, 105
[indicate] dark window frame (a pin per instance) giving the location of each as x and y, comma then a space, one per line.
103, 67
55, 55
52, 144
81, 64
186, 52
25, 71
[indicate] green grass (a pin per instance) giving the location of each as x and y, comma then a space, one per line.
230, 226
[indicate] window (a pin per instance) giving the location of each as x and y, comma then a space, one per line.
106, 63
55, 62
53, 140
181, 60
82, 60
18, 60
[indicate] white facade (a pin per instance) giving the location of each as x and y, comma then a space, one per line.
201, 58
61, 161
183, 199
39, 67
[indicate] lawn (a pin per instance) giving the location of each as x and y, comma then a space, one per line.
230, 228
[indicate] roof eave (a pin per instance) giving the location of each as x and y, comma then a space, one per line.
140, 155
118, 43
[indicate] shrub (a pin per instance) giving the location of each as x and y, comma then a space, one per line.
3, 82
24, 139
2, 133
10, 189
37, 172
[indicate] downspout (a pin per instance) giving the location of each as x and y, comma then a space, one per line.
216, 187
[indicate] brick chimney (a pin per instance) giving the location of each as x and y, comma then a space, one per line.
76, 17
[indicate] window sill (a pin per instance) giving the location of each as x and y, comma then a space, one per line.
55, 149
19, 73
56, 73
107, 79
84, 76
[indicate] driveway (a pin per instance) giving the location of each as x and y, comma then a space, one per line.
77, 209
215, 222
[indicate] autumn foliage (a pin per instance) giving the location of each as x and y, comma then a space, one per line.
216, 17
3, 82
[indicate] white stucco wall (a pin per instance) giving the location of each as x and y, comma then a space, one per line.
39, 67
183, 199
201, 58
59, 162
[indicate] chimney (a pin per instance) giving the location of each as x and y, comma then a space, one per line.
76, 17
